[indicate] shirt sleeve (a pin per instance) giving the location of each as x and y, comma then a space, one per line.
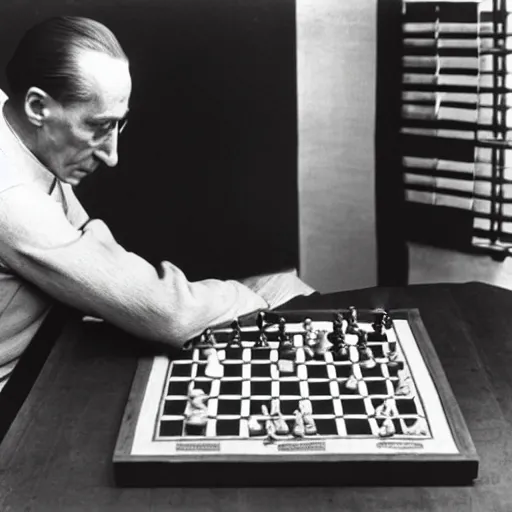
89, 270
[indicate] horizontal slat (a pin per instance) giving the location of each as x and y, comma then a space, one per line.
440, 97
433, 27
485, 225
483, 44
439, 1
483, 64
437, 199
476, 188
486, 80
480, 170
480, 116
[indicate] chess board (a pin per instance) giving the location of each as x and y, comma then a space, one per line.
428, 442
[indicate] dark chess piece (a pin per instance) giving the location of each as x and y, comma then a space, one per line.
286, 347
337, 324
260, 322
209, 338
365, 352
236, 336
342, 353
352, 327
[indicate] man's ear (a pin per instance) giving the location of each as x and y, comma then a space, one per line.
37, 103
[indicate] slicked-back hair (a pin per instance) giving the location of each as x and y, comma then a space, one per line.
46, 57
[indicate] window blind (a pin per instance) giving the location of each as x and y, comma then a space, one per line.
456, 128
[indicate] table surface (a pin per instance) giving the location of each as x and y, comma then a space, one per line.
57, 454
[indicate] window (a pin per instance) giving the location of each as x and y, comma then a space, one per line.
456, 124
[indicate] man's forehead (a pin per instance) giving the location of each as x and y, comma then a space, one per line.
109, 81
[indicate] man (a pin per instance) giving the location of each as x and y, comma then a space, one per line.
70, 87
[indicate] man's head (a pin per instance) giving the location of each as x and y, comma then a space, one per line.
70, 87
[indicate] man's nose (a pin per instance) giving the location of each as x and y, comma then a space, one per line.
107, 151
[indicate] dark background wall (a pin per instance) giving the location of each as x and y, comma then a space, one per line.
207, 176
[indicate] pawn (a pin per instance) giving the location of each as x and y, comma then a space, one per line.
387, 429
255, 427
298, 427
307, 417
286, 348
352, 383
236, 336
366, 359
362, 338
214, 368
342, 353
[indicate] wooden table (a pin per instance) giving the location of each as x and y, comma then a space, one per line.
57, 455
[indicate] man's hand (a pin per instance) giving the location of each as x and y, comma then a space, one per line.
278, 288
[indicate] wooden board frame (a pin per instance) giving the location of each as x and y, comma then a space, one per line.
292, 469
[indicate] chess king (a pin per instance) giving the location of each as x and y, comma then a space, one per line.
69, 88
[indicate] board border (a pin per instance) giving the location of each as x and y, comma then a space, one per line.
304, 469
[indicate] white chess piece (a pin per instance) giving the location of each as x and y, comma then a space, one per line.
196, 411
351, 383
387, 429
214, 368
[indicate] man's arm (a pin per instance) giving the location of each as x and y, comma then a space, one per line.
89, 270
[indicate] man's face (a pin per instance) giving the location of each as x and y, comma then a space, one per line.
75, 138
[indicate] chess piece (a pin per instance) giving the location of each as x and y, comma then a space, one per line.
366, 359
323, 345
404, 387
280, 424
196, 411
270, 426
255, 427
378, 325
393, 359
365, 352
286, 348
352, 327
387, 408
214, 368
260, 322
309, 353
307, 417
342, 353
236, 335
309, 332
298, 426
308, 325
352, 383
337, 324
387, 429
419, 428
